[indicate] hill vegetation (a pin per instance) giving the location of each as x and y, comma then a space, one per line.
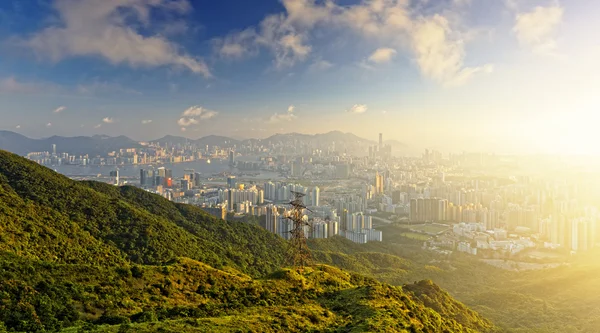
562, 299
84, 256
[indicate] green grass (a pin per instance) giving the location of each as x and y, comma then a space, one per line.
416, 236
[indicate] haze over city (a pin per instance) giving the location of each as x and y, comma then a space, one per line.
501, 76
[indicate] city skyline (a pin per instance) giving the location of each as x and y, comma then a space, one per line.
443, 74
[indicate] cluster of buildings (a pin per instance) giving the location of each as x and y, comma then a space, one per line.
356, 227
345, 183
147, 153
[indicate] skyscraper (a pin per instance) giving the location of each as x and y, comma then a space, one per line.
271, 218
231, 182
142, 177
414, 215
54, 149
378, 183
315, 196
114, 175
231, 158
380, 142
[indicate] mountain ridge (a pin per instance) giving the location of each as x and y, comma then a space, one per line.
103, 144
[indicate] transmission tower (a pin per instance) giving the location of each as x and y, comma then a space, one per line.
298, 252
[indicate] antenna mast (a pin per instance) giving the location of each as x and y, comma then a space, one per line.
298, 252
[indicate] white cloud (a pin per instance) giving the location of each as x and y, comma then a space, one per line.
440, 52
282, 117
198, 111
276, 33
193, 115
287, 45
382, 55
146, 121
49, 125
98, 126
108, 120
237, 45
18, 126
100, 28
59, 109
184, 122
358, 108
435, 40
537, 29
183, 129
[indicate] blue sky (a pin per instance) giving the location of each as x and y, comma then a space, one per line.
462, 73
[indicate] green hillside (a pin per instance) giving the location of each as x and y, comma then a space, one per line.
46, 215
83, 256
562, 299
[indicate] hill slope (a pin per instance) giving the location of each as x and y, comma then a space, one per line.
126, 223
93, 255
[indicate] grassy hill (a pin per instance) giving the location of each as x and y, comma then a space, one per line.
82, 256
562, 299
48, 216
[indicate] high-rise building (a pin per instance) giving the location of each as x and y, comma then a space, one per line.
380, 142
54, 149
319, 230
420, 209
142, 177
413, 210
231, 158
231, 182
315, 196
197, 179
185, 185
271, 218
114, 177
378, 183
231, 199
218, 212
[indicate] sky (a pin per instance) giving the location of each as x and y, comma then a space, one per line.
497, 75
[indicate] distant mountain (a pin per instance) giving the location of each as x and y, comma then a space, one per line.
102, 144
172, 140
341, 142
329, 137
216, 140
211, 140
17, 143
80, 145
